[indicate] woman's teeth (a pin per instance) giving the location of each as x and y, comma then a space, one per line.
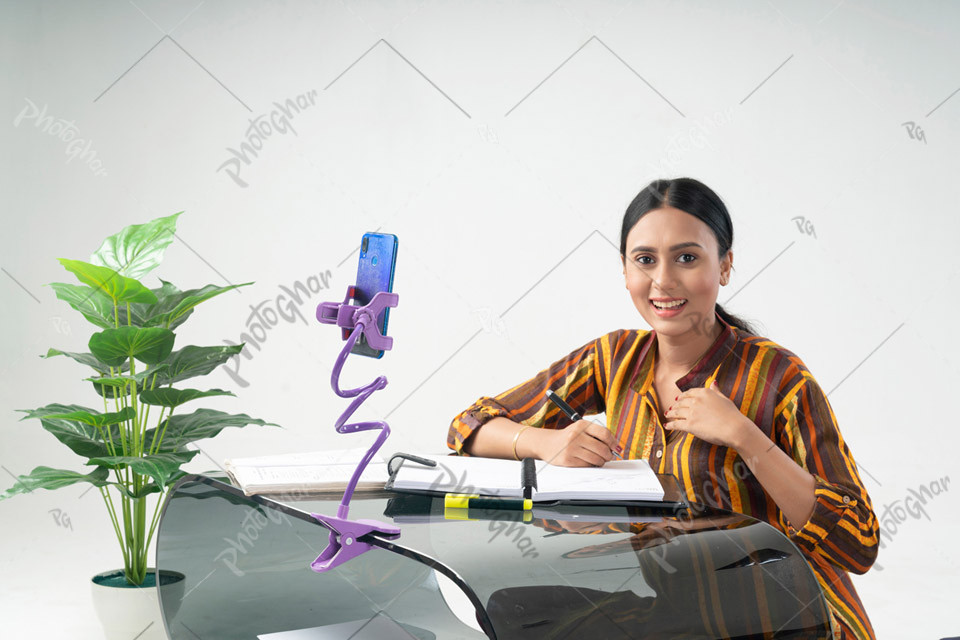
668, 305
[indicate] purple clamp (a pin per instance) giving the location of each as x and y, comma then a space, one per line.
347, 316
345, 544
344, 540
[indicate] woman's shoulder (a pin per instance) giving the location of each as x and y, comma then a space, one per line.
785, 368
622, 340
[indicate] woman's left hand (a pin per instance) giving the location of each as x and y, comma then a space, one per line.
709, 415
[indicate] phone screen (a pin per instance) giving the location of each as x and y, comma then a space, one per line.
378, 261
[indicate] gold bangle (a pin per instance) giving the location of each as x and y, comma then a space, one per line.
517, 437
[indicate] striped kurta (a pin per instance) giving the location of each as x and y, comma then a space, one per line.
614, 375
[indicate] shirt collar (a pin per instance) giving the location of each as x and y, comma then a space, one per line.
705, 366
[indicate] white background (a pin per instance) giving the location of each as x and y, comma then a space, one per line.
501, 142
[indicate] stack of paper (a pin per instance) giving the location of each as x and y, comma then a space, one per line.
315, 472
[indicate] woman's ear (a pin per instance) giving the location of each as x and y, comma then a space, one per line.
725, 267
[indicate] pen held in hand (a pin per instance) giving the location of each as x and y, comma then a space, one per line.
573, 415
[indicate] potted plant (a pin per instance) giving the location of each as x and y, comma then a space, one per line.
138, 442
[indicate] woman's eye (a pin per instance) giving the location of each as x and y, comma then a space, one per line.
640, 258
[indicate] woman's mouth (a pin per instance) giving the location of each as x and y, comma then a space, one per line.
668, 309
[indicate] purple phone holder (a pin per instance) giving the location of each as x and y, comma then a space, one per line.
346, 316
344, 542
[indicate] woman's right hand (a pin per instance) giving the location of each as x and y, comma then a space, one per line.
582, 444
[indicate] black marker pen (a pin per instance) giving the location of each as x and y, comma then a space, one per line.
573, 415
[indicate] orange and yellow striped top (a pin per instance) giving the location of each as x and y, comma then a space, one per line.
614, 375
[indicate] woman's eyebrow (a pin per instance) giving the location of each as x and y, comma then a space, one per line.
682, 245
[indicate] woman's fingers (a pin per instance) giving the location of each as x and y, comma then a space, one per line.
586, 443
591, 457
601, 433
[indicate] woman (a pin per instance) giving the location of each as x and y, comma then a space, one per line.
737, 418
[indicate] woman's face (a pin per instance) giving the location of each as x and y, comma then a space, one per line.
655, 267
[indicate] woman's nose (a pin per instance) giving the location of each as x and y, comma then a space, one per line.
664, 278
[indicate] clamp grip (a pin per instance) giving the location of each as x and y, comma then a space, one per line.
345, 541
347, 316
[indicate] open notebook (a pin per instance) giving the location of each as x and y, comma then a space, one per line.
317, 472
616, 481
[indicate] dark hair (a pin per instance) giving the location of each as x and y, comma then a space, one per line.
695, 198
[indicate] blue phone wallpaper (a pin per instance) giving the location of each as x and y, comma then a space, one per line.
378, 260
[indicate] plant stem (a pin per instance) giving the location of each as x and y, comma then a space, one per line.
163, 431
113, 520
155, 445
134, 423
156, 517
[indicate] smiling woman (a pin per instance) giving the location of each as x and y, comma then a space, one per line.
746, 426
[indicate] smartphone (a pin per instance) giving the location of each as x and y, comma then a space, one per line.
378, 260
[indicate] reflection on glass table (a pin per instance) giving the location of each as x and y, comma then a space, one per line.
556, 572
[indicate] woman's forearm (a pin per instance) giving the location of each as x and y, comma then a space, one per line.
789, 484
495, 440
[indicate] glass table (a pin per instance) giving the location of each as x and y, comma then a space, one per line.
556, 572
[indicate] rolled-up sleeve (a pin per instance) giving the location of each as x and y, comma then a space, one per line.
579, 378
843, 527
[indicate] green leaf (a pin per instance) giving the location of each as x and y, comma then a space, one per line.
47, 478
84, 358
150, 345
202, 423
173, 310
94, 304
137, 249
123, 381
141, 311
117, 386
194, 361
161, 467
118, 287
81, 437
93, 418
150, 487
168, 397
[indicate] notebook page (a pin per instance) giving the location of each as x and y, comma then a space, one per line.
461, 474
616, 480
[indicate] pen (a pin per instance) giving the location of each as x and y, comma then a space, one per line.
573, 415
475, 501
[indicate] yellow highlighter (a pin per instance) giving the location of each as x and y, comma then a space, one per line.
476, 501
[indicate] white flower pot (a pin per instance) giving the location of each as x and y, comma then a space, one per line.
127, 612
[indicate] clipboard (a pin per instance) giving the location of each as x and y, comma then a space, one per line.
674, 499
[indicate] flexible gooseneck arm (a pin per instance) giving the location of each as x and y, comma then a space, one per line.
360, 394
344, 540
